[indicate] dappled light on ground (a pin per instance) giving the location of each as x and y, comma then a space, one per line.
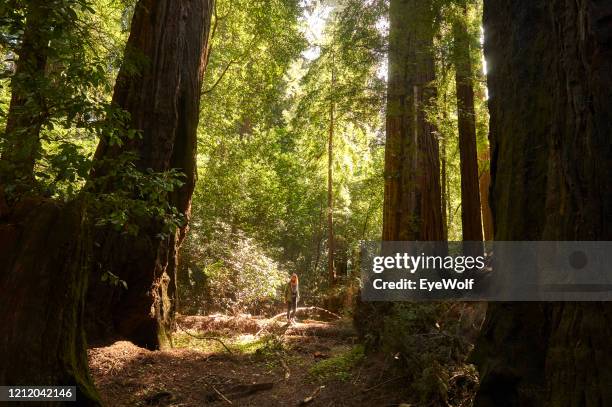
312, 362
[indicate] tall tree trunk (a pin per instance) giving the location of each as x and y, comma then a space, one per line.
318, 237
163, 102
330, 193
444, 190
26, 114
551, 119
412, 207
471, 221
485, 182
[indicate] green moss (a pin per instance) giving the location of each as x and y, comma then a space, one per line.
339, 367
182, 340
243, 344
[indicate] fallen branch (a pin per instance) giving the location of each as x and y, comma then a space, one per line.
210, 338
382, 383
221, 395
299, 309
311, 397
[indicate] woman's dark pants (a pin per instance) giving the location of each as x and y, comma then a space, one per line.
291, 307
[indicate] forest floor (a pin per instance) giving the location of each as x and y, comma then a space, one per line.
313, 362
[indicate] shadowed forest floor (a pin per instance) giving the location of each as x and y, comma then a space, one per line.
313, 363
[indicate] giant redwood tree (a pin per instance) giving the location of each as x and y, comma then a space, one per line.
550, 86
44, 244
412, 202
162, 99
48, 247
412, 208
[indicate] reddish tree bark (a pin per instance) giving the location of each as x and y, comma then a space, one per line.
484, 183
550, 89
412, 207
163, 102
44, 245
45, 249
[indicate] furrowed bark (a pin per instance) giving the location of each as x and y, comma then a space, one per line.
45, 246
45, 256
550, 88
412, 206
163, 102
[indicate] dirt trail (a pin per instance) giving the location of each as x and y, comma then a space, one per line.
314, 363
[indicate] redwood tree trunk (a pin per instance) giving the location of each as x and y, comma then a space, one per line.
485, 182
45, 246
412, 207
471, 221
45, 249
550, 89
163, 102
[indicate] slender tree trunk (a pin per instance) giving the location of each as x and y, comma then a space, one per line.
163, 102
330, 193
27, 109
443, 190
551, 119
448, 209
485, 182
471, 221
318, 240
412, 206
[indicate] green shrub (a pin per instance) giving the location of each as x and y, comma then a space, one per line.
231, 272
427, 344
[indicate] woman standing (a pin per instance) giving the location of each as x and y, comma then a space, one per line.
292, 296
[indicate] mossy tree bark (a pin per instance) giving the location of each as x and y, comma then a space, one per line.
162, 99
550, 88
412, 206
